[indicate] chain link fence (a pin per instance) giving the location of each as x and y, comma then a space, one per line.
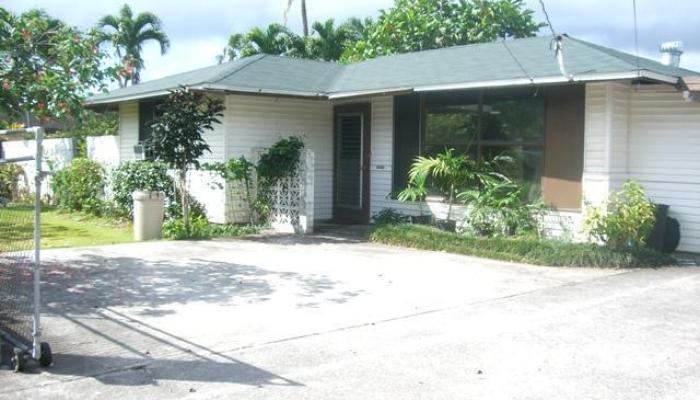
16, 271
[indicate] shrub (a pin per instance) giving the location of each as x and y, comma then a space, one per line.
280, 160
525, 250
389, 216
175, 228
500, 207
200, 228
236, 171
148, 176
139, 175
624, 220
231, 230
79, 186
9, 181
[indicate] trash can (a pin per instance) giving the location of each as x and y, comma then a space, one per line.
658, 232
149, 208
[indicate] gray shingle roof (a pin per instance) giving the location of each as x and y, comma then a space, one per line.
513, 60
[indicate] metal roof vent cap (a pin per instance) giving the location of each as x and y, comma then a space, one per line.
671, 53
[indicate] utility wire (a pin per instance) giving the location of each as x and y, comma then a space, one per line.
522, 68
556, 44
546, 17
636, 37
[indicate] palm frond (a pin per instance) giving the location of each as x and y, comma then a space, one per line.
108, 21
147, 18
158, 36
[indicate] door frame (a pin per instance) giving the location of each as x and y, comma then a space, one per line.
346, 215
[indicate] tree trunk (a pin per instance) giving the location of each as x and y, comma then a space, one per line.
304, 19
184, 198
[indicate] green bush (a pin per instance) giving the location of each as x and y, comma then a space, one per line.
500, 207
9, 179
525, 250
148, 176
625, 220
232, 230
176, 229
280, 160
200, 228
139, 175
79, 186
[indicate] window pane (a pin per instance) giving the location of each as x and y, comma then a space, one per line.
514, 116
452, 122
525, 166
406, 136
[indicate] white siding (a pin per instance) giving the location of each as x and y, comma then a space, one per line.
254, 122
128, 130
663, 154
605, 139
210, 196
652, 135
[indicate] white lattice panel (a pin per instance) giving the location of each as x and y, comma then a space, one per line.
291, 199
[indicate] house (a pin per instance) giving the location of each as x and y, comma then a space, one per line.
578, 128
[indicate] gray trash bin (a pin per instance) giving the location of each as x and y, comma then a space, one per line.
149, 208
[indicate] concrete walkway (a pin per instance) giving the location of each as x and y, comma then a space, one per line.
326, 318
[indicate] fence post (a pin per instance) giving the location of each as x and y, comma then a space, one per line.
306, 215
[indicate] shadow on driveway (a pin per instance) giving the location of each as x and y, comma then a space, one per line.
82, 285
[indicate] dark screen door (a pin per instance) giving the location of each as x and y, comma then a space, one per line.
352, 164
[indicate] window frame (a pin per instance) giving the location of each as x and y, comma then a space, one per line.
153, 104
479, 141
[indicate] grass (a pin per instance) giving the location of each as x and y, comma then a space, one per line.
523, 250
58, 229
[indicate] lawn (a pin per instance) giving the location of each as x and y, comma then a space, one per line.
525, 250
58, 229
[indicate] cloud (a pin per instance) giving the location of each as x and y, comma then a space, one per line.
199, 30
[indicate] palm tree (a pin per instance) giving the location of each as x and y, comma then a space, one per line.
330, 43
127, 35
355, 27
304, 18
275, 39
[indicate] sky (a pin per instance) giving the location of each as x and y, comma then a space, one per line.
199, 30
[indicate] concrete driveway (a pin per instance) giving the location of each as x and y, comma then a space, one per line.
326, 318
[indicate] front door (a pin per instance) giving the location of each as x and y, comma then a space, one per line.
352, 161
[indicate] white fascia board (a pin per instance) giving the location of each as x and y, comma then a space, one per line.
122, 99
230, 89
550, 80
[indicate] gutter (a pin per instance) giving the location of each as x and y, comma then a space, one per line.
230, 89
511, 82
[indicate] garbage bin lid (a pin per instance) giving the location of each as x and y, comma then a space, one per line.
140, 195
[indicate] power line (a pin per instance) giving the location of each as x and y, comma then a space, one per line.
546, 17
522, 68
556, 44
636, 36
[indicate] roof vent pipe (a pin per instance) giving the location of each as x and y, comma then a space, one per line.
671, 53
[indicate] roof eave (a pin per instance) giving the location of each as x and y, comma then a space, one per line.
244, 90
552, 80
202, 87
613, 76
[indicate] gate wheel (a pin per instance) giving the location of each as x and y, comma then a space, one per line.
18, 361
46, 359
